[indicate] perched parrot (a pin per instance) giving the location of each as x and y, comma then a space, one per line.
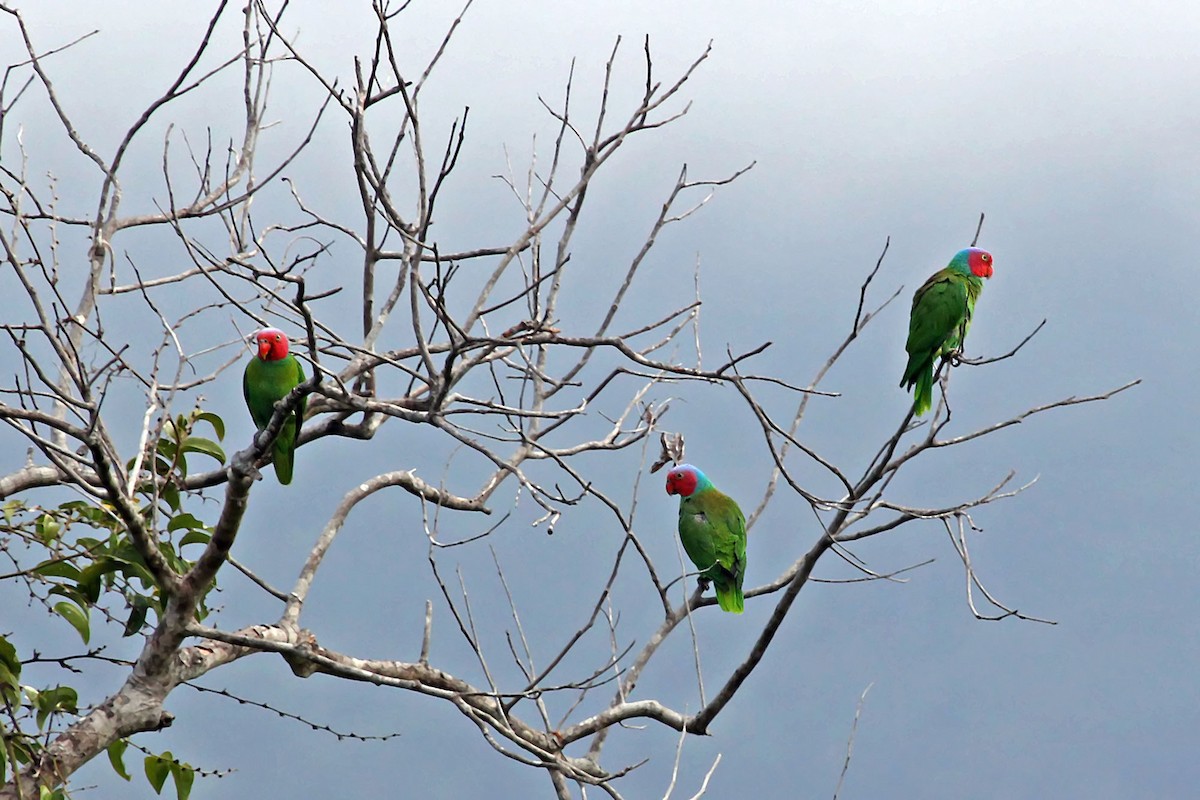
269, 376
941, 316
713, 532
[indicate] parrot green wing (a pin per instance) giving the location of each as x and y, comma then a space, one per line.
938, 308
712, 529
941, 316
264, 383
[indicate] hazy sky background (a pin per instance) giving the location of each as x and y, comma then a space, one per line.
1073, 125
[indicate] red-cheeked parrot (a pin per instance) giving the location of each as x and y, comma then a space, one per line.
713, 532
269, 376
941, 317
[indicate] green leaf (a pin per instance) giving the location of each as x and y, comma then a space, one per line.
184, 776
72, 593
173, 559
157, 770
137, 615
195, 537
184, 522
218, 424
57, 569
132, 565
77, 617
171, 429
9, 681
8, 658
47, 528
170, 453
116, 757
24, 750
89, 579
63, 698
60, 698
170, 494
196, 444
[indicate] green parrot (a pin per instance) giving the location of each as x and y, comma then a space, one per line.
941, 317
269, 376
713, 532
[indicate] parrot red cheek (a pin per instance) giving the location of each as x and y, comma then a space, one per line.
681, 484
980, 263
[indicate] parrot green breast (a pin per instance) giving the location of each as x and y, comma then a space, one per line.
267, 382
713, 531
264, 383
941, 317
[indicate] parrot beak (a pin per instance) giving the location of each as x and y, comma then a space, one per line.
264, 348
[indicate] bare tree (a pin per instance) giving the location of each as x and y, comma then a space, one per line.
109, 353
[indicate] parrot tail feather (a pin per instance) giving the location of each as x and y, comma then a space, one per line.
923, 391
283, 458
729, 597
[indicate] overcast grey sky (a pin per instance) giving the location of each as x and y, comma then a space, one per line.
1073, 125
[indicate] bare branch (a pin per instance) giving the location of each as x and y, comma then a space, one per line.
862, 699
